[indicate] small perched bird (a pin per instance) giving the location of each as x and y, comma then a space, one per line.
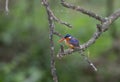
74, 43
70, 41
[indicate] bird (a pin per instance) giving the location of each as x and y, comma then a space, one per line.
70, 41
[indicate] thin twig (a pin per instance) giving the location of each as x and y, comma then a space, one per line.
62, 51
6, 7
57, 19
58, 34
88, 60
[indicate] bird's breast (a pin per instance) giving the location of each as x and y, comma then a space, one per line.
68, 43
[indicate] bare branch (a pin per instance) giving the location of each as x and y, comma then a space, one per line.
51, 27
59, 21
82, 10
70, 51
114, 16
58, 34
65, 53
61, 51
6, 7
104, 26
88, 60
100, 29
55, 18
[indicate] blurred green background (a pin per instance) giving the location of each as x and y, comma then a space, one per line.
24, 43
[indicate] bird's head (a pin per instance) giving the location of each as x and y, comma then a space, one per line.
67, 36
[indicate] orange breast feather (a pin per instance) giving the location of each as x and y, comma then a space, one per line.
67, 43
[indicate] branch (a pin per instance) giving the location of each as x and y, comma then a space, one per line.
59, 21
58, 34
66, 52
114, 16
82, 10
100, 29
103, 27
51, 27
110, 9
6, 7
55, 18
88, 60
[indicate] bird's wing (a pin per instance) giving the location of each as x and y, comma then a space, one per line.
74, 42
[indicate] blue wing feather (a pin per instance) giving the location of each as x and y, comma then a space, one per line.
74, 42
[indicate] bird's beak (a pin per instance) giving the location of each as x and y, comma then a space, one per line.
61, 39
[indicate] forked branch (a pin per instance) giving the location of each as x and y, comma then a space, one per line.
105, 22
82, 10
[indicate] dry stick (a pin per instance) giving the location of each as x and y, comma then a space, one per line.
63, 53
110, 9
104, 27
100, 29
114, 16
51, 26
57, 19
92, 40
58, 34
88, 60
6, 7
82, 10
